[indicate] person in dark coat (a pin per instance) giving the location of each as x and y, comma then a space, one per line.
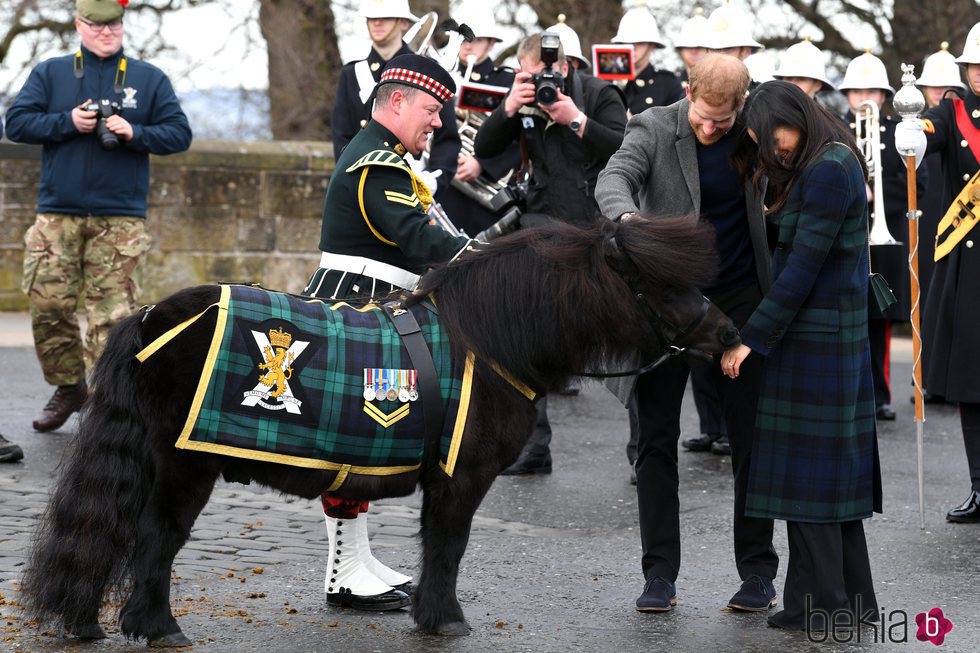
675, 161
651, 87
953, 130
376, 239
940, 75
387, 21
815, 454
474, 173
866, 80
568, 142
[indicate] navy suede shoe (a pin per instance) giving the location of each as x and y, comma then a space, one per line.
755, 595
659, 595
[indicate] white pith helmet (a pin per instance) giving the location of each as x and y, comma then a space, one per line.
729, 27
971, 49
638, 25
480, 19
760, 67
866, 71
804, 59
570, 42
940, 69
694, 31
386, 9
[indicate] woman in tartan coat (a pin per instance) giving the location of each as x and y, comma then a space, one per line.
815, 456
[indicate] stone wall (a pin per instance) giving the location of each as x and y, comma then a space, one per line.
222, 211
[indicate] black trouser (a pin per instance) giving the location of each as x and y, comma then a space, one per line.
539, 443
829, 563
659, 395
879, 337
970, 422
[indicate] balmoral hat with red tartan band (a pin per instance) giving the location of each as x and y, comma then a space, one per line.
101, 11
419, 72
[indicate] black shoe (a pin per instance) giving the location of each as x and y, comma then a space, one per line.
65, 401
529, 463
392, 600
659, 595
701, 443
755, 595
780, 620
722, 447
968, 512
9, 452
885, 413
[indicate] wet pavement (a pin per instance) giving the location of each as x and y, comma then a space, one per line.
553, 562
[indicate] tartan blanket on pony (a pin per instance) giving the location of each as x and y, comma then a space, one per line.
297, 381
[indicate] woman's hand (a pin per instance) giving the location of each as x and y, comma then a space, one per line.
731, 360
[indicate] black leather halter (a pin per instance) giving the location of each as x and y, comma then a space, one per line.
666, 332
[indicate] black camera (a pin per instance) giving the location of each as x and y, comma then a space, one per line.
547, 82
104, 109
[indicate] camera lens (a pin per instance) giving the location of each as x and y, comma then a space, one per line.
546, 93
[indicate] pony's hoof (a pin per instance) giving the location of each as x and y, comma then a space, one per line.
172, 640
87, 631
454, 629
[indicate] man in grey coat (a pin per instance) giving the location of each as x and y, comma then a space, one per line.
675, 160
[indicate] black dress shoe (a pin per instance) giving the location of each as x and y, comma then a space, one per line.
885, 413
392, 600
66, 400
534, 463
968, 512
701, 443
659, 595
722, 447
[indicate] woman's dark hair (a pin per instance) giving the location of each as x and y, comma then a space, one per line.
781, 104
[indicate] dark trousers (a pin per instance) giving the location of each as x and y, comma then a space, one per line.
970, 422
658, 396
880, 339
828, 570
539, 443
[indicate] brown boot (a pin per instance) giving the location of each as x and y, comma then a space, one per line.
65, 401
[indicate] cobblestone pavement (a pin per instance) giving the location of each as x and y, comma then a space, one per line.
552, 564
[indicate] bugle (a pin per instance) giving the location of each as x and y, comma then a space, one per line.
867, 133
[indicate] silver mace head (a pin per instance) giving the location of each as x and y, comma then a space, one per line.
909, 101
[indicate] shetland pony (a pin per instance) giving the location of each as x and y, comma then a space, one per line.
544, 304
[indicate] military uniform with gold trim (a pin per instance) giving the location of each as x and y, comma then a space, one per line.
375, 209
952, 306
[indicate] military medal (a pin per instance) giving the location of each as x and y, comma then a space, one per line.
402, 386
369, 393
392, 394
413, 394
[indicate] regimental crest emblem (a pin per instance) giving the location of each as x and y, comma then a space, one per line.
279, 353
129, 98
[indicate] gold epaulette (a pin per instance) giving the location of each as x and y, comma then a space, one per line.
380, 158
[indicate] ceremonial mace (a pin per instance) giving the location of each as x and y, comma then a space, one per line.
909, 103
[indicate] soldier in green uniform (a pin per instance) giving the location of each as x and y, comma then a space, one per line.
377, 239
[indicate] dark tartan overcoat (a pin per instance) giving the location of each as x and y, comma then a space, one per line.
815, 456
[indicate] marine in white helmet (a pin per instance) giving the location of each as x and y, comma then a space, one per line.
804, 64
940, 73
651, 87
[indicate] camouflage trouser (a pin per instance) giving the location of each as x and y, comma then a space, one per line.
69, 258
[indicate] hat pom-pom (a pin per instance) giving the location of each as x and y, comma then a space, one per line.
124, 3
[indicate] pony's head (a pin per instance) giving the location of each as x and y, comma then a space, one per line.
557, 300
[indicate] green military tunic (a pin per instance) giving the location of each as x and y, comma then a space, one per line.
375, 207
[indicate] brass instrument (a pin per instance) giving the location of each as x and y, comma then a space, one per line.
468, 122
419, 36
867, 133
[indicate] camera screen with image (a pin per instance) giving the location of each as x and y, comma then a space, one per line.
612, 62
548, 82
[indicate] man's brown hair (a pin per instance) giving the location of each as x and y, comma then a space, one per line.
719, 80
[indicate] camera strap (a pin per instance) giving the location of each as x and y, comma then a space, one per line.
78, 68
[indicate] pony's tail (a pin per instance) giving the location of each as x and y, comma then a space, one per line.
84, 544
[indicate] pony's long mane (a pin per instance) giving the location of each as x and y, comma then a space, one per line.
547, 298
